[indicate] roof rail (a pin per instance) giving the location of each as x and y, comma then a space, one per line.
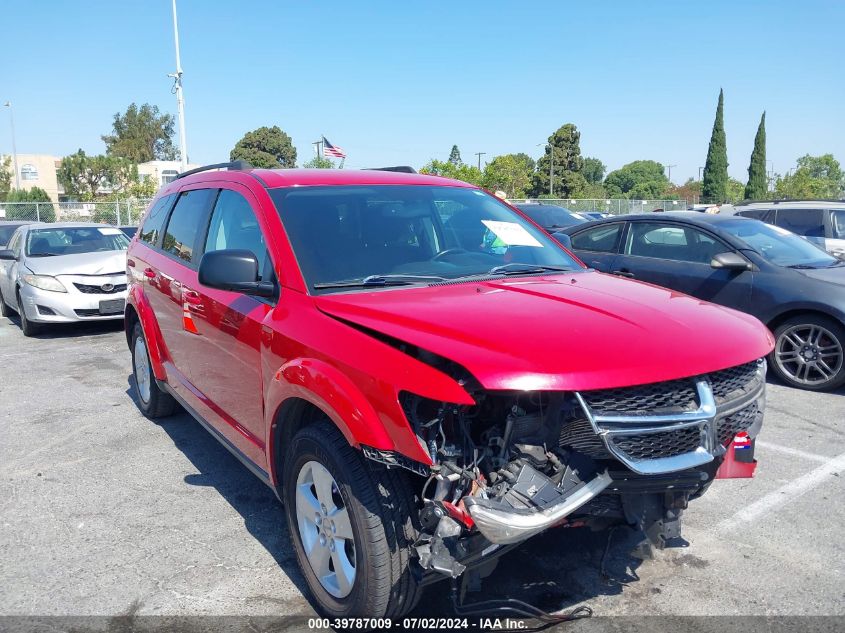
405, 169
237, 165
788, 200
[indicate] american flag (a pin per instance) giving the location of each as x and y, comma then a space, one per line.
332, 150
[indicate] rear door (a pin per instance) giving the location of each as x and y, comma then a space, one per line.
225, 329
170, 265
677, 256
598, 246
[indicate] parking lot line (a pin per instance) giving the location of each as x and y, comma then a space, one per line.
792, 451
783, 495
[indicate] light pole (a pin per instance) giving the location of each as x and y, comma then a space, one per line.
177, 89
699, 173
8, 104
480, 154
669, 169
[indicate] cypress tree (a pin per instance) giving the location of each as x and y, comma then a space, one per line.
757, 187
455, 156
714, 187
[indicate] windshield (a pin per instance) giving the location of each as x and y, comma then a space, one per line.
416, 234
778, 245
74, 240
549, 216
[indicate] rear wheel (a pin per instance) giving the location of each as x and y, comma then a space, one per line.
351, 526
152, 400
27, 327
810, 352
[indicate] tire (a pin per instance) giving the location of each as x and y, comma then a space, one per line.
4, 309
809, 352
377, 503
27, 327
152, 400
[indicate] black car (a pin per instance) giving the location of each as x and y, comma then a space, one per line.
551, 217
794, 287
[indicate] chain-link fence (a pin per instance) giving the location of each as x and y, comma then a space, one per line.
614, 206
119, 212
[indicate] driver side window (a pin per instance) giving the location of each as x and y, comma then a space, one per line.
672, 242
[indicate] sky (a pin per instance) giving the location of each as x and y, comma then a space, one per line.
401, 82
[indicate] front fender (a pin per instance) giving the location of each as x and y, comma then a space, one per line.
155, 347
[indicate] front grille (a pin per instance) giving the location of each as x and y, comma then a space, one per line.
98, 290
659, 444
580, 436
87, 312
675, 396
736, 422
733, 381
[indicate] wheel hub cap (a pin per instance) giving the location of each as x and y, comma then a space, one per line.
142, 370
325, 530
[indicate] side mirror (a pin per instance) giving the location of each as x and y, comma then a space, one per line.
564, 239
730, 261
235, 270
7, 254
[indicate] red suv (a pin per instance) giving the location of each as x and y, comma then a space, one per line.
423, 376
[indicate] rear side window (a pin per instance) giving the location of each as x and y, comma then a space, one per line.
764, 215
151, 230
602, 239
837, 223
234, 225
806, 222
185, 221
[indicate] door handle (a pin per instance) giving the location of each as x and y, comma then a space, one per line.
624, 273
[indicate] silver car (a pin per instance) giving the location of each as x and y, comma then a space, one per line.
63, 272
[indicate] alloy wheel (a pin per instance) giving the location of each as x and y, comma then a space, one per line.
141, 362
809, 354
325, 529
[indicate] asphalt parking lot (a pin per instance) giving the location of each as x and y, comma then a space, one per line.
105, 512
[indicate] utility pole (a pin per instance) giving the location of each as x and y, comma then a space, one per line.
8, 104
177, 89
318, 147
699, 173
480, 154
669, 175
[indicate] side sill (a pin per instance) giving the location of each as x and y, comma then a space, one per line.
246, 461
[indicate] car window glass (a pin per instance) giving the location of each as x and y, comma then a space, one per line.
51, 242
6, 233
778, 245
15, 244
601, 238
151, 229
757, 214
672, 242
837, 222
806, 222
185, 221
234, 226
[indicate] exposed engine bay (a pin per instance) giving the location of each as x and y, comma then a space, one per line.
519, 463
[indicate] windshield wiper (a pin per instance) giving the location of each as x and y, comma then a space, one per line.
516, 268
379, 281
45, 255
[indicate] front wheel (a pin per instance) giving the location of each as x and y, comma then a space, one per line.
27, 327
351, 526
152, 400
810, 352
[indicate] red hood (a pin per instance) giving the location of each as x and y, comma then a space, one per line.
563, 332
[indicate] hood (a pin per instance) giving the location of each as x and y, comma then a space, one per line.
102, 263
835, 275
563, 332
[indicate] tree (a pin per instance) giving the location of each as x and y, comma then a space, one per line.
563, 159
84, 176
689, 191
43, 211
266, 147
455, 156
758, 187
715, 184
640, 180
5, 176
594, 170
734, 190
319, 162
815, 177
141, 134
466, 173
510, 173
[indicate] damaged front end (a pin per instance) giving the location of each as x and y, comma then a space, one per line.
518, 463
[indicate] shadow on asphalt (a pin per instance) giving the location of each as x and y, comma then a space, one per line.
72, 330
556, 570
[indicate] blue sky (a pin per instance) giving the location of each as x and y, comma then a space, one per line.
400, 82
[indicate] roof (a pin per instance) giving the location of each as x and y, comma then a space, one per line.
692, 217
273, 178
814, 204
70, 225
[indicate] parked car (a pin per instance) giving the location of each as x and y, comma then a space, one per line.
424, 377
792, 286
593, 215
551, 217
129, 231
8, 228
63, 272
820, 221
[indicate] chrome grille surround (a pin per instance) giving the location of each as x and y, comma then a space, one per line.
660, 441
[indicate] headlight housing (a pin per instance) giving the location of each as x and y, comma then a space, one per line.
45, 282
